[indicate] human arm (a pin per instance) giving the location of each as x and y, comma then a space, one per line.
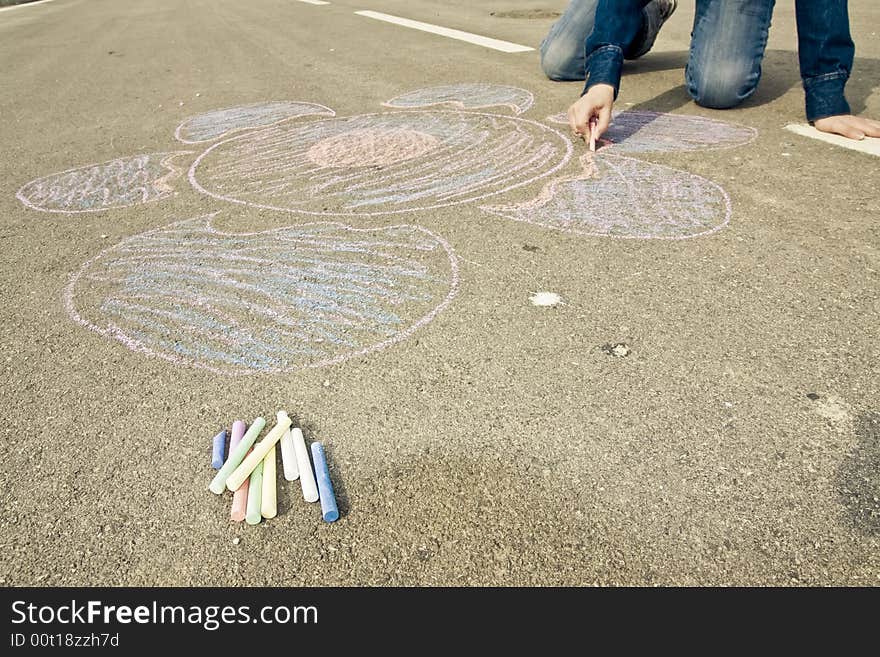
617, 24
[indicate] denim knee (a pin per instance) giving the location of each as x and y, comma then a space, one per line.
561, 61
723, 85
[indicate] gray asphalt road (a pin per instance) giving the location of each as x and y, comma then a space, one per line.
736, 443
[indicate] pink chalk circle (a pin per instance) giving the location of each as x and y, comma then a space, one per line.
640, 131
467, 95
119, 183
371, 148
223, 122
280, 300
626, 198
378, 164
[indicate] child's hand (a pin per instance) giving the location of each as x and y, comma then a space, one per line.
854, 127
597, 102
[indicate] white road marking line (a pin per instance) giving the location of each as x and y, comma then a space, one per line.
495, 44
26, 4
869, 145
315, 2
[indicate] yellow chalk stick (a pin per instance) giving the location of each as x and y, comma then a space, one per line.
262, 448
269, 503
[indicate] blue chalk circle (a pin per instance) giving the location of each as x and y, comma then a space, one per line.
325, 486
218, 453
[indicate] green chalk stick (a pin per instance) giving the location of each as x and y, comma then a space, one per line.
255, 496
236, 456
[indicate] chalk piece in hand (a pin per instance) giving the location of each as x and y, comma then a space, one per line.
328, 500
218, 452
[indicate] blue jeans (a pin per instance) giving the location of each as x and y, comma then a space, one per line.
727, 48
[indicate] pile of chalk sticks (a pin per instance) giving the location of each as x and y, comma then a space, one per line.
250, 469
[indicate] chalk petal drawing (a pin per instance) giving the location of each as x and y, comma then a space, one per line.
380, 163
626, 198
115, 184
467, 96
635, 131
223, 122
264, 302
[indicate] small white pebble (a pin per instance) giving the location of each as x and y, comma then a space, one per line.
545, 299
327, 383
198, 94
236, 540
103, 237
786, 155
180, 104
620, 350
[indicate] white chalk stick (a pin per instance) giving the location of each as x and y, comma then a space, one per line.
306, 476
269, 502
250, 462
288, 457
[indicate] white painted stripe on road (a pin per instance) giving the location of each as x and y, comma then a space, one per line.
26, 4
486, 42
869, 145
315, 2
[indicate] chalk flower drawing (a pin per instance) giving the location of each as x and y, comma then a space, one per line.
313, 294
265, 302
115, 184
380, 163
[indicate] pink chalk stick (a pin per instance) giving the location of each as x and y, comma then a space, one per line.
239, 502
239, 498
238, 429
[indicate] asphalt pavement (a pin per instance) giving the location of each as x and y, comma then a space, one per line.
732, 438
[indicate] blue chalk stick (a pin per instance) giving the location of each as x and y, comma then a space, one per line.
218, 454
325, 486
